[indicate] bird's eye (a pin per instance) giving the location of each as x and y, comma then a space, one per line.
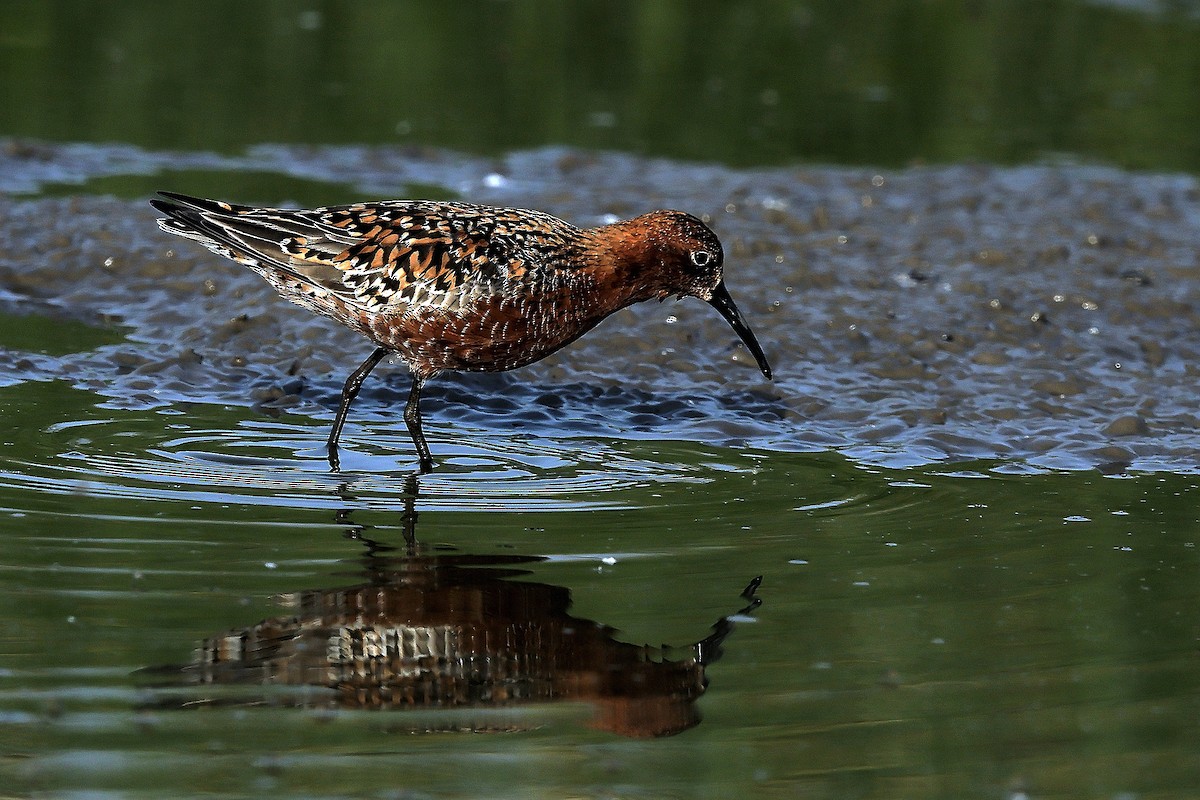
701, 258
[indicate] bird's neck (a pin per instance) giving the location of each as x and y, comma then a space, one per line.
627, 263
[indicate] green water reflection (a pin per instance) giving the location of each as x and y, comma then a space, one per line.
951, 631
49, 333
923, 633
737, 82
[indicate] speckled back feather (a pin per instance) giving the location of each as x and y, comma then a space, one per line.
389, 255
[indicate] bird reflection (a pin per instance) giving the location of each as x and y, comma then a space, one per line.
440, 629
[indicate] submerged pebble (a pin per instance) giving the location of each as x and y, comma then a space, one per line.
1131, 425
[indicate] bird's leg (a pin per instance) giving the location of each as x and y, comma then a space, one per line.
349, 392
408, 520
412, 418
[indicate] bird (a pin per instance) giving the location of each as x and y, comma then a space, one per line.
459, 286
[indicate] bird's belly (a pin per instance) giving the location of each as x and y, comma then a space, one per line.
494, 336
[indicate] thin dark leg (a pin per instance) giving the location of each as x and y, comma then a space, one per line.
412, 418
349, 392
408, 519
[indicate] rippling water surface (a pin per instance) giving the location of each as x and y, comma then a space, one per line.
177, 583
638, 571
949, 552
1041, 315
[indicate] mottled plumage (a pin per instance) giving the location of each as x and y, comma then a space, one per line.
459, 286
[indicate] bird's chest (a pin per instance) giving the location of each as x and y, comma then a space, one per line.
495, 333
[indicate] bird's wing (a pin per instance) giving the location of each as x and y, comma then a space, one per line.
377, 255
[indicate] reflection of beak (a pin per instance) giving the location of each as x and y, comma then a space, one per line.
723, 303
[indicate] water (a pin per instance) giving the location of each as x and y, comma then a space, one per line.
930, 623
951, 551
1041, 315
737, 82
947, 631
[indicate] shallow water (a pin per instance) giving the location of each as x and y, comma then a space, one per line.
733, 81
949, 552
1043, 315
924, 632
976, 534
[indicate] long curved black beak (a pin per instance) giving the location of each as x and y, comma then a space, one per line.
723, 303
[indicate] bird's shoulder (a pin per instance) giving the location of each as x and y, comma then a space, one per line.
443, 253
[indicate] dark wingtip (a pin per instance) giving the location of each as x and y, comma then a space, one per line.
173, 203
163, 206
176, 202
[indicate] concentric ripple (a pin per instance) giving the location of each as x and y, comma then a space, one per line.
284, 464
